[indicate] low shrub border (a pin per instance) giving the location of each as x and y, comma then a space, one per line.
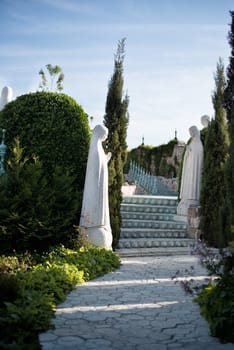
32, 285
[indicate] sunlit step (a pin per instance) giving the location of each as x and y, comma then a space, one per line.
146, 208
154, 243
151, 200
159, 251
153, 224
152, 233
147, 216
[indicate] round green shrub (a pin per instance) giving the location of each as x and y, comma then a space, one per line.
52, 126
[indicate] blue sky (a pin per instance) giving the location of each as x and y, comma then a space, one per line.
172, 48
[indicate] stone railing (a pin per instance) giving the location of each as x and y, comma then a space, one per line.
149, 182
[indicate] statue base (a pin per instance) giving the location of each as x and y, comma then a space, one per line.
184, 205
99, 236
194, 214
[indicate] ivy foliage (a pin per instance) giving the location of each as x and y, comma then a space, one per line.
153, 159
40, 283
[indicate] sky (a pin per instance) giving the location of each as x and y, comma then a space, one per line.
171, 51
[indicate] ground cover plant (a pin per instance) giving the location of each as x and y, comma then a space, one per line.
31, 285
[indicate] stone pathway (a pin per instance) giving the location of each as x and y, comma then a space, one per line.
135, 307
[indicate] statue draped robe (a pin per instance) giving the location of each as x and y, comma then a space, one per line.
191, 173
95, 218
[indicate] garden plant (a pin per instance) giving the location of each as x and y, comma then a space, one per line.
31, 285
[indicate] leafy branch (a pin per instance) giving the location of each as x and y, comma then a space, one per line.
54, 72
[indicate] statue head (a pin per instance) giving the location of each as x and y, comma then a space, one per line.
194, 132
101, 132
205, 119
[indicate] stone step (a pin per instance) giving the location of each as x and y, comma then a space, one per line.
152, 233
154, 243
147, 216
146, 208
150, 226
160, 251
151, 200
154, 224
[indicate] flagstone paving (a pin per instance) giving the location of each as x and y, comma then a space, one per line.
135, 307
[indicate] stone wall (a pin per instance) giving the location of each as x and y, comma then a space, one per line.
172, 183
177, 154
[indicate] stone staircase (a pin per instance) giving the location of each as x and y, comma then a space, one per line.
150, 227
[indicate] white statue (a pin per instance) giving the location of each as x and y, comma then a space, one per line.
95, 217
205, 120
191, 173
6, 96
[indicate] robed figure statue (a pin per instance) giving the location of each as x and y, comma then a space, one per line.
95, 217
191, 173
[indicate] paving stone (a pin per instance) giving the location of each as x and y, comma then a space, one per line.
68, 341
47, 337
137, 307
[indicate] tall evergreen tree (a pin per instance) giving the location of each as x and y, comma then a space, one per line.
116, 120
216, 151
229, 105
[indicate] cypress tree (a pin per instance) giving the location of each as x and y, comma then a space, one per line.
216, 151
229, 106
116, 120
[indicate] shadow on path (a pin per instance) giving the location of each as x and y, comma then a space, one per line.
135, 307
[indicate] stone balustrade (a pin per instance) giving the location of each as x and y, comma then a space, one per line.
151, 183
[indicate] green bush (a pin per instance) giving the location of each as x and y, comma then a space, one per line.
42, 286
216, 303
52, 126
8, 288
36, 212
216, 298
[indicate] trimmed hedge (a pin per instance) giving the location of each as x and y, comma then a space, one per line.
52, 126
41, 193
